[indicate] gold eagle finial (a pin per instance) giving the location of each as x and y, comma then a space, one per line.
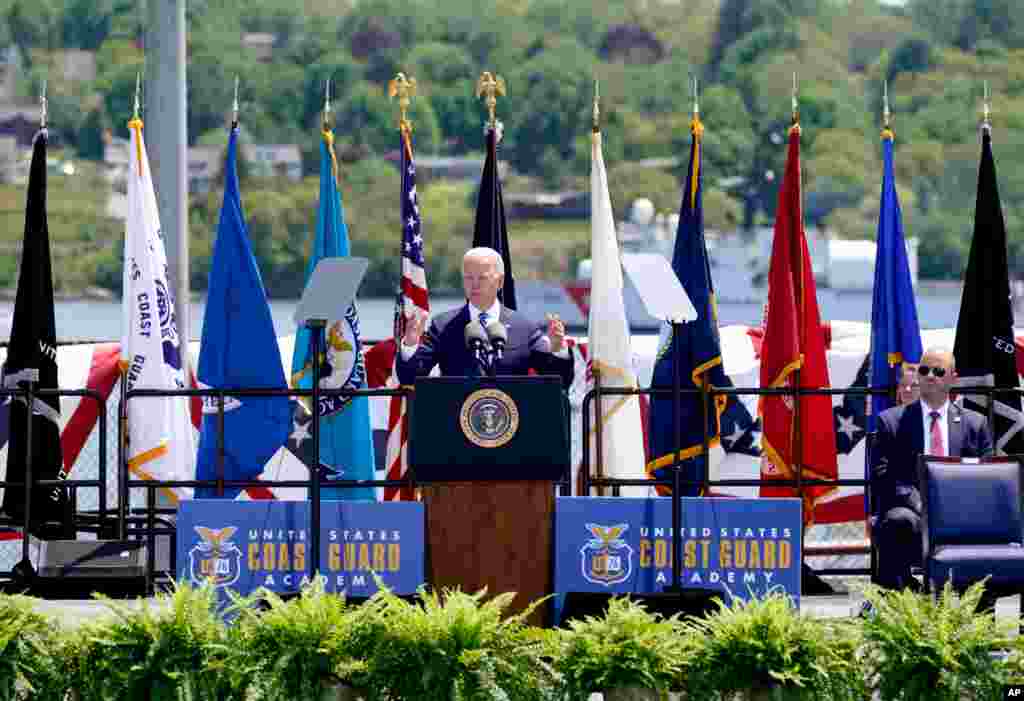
489, 86
404, 89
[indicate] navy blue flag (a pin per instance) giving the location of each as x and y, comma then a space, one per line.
699, 346
239, 349
895, 333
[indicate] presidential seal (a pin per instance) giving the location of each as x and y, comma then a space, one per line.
489, 418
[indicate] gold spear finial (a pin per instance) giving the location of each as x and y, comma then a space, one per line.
695, 94
327, 104
796, 103
138, 95
404, 88
596, 127
986, 108
42, 106
488, 87
886, 114
234, 106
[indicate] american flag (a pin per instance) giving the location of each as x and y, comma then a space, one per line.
412, 298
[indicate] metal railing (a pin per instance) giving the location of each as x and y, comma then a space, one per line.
799, 483
27, 393
220, 483
149, 522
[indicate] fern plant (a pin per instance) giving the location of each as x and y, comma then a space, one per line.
296, 648
941, 649
170, 649
764, 643
626, 647
30, 646
456, 646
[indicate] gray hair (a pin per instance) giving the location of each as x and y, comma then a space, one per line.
485, 253
942, 350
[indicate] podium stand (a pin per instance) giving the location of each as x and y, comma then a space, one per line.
486, 453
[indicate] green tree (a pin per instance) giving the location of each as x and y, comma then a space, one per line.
628, 182
551, 98
86, 23
368, 120
33, 23
341, 70
437, 64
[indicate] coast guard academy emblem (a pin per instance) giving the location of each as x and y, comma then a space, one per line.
215, 558
489, 418
345, 366
606, 558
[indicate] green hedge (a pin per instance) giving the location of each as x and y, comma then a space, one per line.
459, 646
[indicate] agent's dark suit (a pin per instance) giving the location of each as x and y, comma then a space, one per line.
444, 344
896, 500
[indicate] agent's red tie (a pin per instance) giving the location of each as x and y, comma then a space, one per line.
936, 435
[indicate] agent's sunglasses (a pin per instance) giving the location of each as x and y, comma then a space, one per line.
923, 371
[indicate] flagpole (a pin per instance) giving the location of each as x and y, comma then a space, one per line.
316, 328
24, 570
800, 291
986, 130
596, 366
698, 130
489, 87
404, 89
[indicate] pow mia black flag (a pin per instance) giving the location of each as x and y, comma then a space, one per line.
32, 357
490, 229
984, 347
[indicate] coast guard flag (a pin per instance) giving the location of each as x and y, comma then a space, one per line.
895, 333
490, 228
610, 353
984, 346
160, 445
346, 441
32, 356
699, 344
239, 350
413, 299
793, 355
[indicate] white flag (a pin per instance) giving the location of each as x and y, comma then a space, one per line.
161, 444
622, 442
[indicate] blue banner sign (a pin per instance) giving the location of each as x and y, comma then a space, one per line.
624, 545
244, 545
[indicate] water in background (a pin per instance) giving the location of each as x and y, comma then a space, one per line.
92, 320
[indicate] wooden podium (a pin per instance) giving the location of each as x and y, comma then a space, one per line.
487, 453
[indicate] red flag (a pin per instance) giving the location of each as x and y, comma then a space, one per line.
793, 354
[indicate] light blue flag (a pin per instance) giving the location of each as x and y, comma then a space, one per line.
239, 350
346, 440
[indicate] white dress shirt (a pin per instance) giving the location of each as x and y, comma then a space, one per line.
926, 416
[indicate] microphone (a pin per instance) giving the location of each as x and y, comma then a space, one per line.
497, 333
476, 342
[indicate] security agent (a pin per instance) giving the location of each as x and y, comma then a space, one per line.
932, 425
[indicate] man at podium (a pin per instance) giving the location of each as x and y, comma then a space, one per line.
483, 335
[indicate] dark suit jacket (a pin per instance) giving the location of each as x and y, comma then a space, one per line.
444, 344
900, 441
